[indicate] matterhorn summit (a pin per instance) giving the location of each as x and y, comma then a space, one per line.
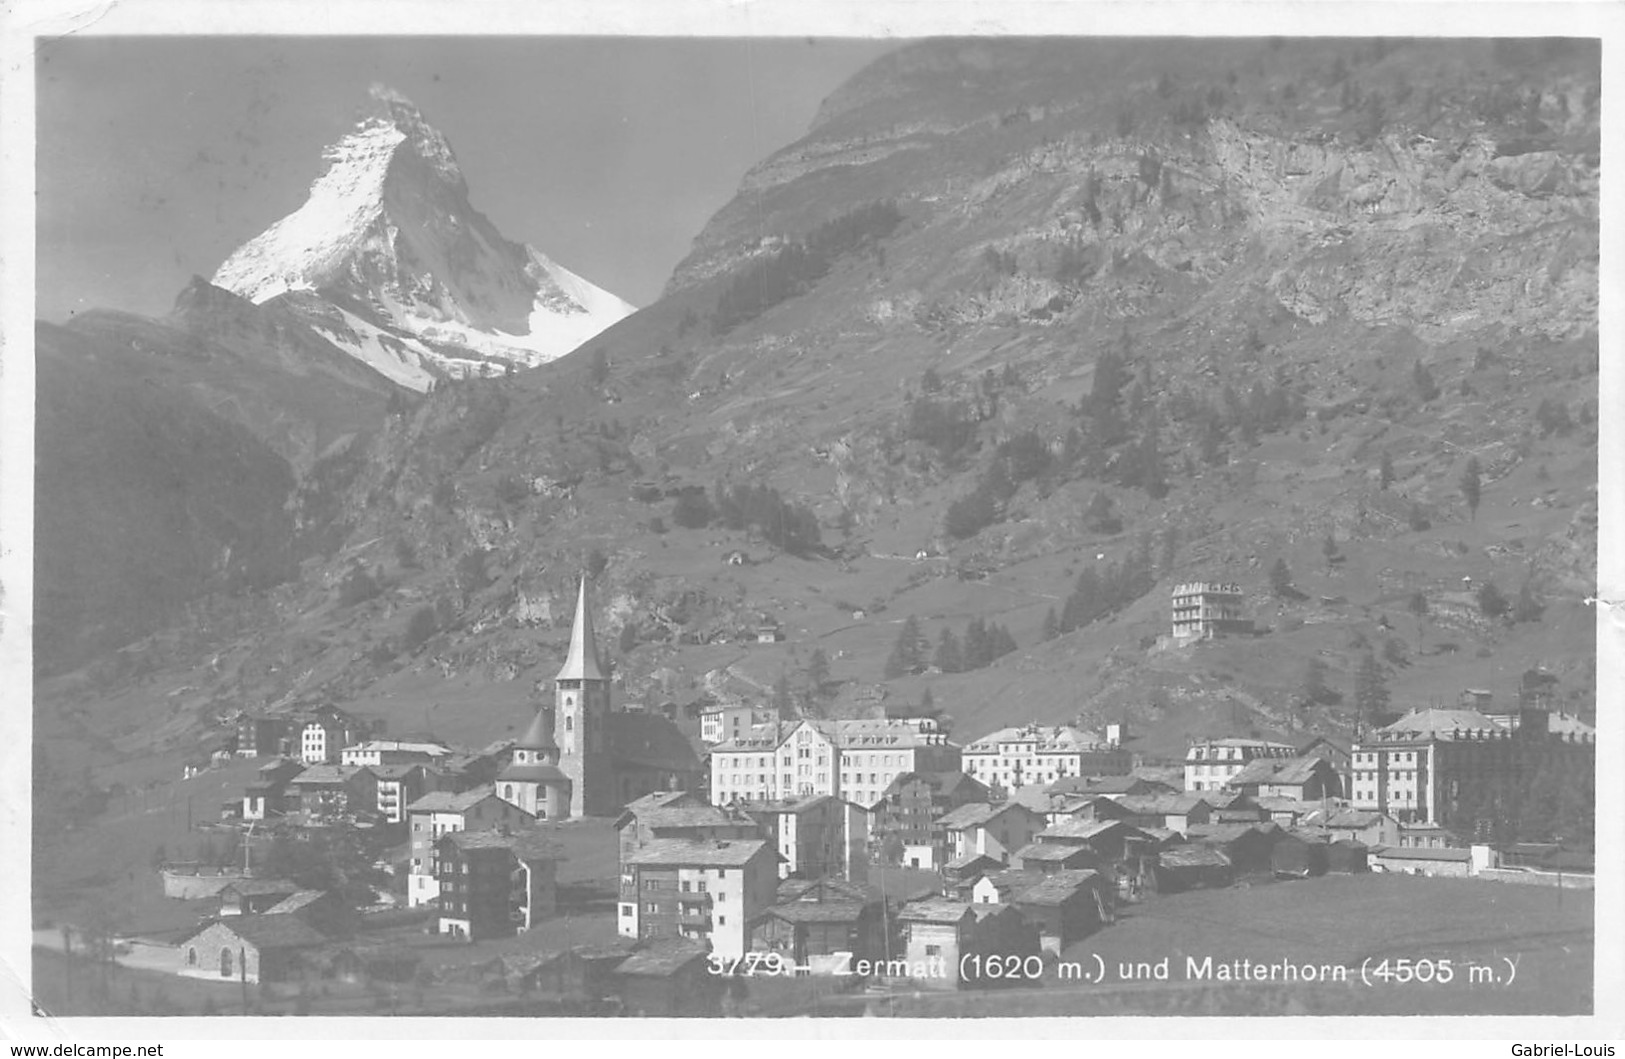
388, 261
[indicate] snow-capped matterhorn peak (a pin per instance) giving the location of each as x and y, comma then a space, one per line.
390, 261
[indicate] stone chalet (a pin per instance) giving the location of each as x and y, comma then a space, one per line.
937, 933
253, 948
1203, 610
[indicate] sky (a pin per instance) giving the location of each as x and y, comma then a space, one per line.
158, 156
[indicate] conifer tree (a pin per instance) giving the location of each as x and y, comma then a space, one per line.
1385, 470
905, 653
949, 658
1370, 690
1472, 485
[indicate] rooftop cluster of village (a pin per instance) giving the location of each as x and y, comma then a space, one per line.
813, 847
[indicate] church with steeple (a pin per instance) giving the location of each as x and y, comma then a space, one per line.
580, 757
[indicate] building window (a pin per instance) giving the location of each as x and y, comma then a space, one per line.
627, 910
191, 957
933, 950
225, 963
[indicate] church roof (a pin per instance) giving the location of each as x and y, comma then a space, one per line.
650, 741
532, 774
539, 736
582, 661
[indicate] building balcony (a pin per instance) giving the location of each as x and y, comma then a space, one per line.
694, 898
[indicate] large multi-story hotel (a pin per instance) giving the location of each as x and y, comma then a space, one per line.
855, 760
1012, 758
1213, 763
1430, 763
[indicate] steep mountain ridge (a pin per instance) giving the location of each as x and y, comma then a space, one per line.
1126, 306
423, 285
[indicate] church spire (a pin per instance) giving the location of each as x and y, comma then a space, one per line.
582, 661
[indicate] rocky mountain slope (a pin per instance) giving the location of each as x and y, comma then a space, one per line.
1024, 332
389, 261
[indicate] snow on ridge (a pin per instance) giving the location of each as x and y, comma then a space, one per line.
403, 366
302, 249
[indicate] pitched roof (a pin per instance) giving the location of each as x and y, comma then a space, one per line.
1162, 803
295, 901
1355, 819
1058, 887
1224, 834
268, 932
532, 774
1436, 723
663, 958
524, 843
1102, 784
1012, 881
974, 814
581, 663
394, 772
819, 911
256, 887
656, 800
318, 775
539, 736
1417, 853
447, 802
965, 860
650, 741
689, 816
1043, 852
934, 910
1193, 857
1084, 829
729, 853
812, 891
1287, 770
1050, 737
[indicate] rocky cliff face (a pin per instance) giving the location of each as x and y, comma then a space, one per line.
399, 269
1188, 307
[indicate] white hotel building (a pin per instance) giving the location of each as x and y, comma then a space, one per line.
1012, 758
855, 760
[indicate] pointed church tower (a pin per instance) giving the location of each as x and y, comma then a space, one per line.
580, 719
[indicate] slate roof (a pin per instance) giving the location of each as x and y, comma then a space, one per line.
1162, 803
1085, 829
691, 817
1289, 770
663, 959
532, 774
1396, 853
728, 853
1050, 852
525, 844
649, 740
268, 932
1058, 887
934, 911
1102, 784
447, 802
1354, 819
255, 887
1193, 857
1224, 834
318, 775
395, 772
1442, 723
1013, 881
295, 901
960, 863
818, 911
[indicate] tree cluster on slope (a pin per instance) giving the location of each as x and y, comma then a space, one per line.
795, 267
